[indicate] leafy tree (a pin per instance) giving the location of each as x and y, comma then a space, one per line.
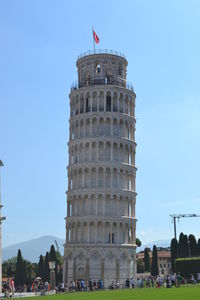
59, 258
146, 260
41, 267
138, 242
174, 252
20, 273
9, 267
183, 245
154, 265
46, 267
30, 271
193, 245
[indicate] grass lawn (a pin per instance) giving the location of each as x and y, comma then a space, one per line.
186, 293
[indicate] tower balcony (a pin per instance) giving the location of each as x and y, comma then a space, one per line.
101, 51
102, 81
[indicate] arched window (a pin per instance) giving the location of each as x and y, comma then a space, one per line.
108, 103
82, 105
98, 68
94, 102
120, 70
87, 105
101, 101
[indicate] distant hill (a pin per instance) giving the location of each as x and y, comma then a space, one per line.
32, 249
160, 243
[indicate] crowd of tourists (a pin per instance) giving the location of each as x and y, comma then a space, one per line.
37, 286
159, 281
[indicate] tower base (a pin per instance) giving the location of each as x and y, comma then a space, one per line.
108, 263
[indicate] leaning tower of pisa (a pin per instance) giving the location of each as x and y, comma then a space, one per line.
101, 196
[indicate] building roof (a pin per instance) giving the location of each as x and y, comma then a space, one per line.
161, 254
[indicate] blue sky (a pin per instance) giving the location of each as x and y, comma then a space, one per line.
40, 42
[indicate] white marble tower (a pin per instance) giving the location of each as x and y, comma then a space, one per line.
101, 196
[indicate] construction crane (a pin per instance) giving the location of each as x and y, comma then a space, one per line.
57, 246
178, 216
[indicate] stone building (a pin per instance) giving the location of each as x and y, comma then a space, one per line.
164, 259
101, 196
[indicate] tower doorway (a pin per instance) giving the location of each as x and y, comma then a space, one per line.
81, 273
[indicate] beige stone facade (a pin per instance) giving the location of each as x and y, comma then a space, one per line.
101, 196
164, 259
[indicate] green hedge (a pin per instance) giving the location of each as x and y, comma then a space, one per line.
187, 266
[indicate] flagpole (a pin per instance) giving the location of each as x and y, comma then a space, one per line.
93, 38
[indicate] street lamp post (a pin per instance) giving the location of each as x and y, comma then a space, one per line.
52, 274
1, 219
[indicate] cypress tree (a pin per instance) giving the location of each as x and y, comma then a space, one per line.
146, 260
183, 245
174, 252
154, 265
20, 270
46, 267
41, 267
25, 277
198, 247
193, 245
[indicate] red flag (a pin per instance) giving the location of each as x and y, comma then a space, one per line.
95, 36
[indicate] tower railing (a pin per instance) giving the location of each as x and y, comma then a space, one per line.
99, 81
101, 51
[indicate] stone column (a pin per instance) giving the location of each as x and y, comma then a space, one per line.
104, 205
111, 102
103, 233
97, 151
90, 150
111, 232
95, 232
90, 127
84, 130
88, 225
102, 269
118, 102
87, 269
84, 104
76, 207
96, 209
74, 268
97, 177
117, 269
111, 125
68, 209
111, 154
123, 105
129, 264
118, 206
67, 234
65, 273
